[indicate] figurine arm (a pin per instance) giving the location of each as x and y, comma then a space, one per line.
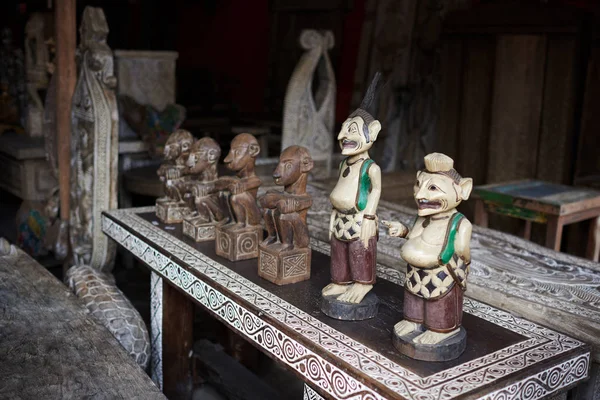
291, 204
369, 226
269, 200
331, 222
245, 184
462, 241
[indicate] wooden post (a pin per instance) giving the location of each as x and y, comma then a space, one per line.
66, 41
177, 338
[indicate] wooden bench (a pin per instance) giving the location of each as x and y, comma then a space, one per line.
50, 346
542, 202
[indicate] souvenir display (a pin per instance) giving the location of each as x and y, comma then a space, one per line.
437, 254
353, 221
284, 256
238, 239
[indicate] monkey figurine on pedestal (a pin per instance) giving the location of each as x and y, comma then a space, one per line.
171, 208
437, 253
238, 239
284, 256
202, 193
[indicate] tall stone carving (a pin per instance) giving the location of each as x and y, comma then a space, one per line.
37, 58
308, 120
94, 144
94, 156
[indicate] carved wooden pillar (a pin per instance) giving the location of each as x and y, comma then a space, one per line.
65, 75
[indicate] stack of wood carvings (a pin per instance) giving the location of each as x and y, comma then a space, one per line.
94, 150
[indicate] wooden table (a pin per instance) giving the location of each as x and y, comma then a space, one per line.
542, 202
51, 347
506, 357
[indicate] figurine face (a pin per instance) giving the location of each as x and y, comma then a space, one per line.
243, 150
436, 193
352, 136
175, 149
293, 162
204, 153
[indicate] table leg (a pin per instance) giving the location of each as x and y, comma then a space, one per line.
481, 214
593, 247
156, 319
310, 394
527, 231
554, 232
177, 340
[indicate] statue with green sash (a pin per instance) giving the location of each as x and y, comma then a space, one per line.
438, 255
353, 227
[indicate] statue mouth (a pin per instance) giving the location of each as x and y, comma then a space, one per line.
349, 144
424, 204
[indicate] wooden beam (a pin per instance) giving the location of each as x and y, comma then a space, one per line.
66, 41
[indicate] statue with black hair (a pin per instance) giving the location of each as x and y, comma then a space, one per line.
353, 223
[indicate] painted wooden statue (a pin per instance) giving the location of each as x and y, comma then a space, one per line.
202, 192
171, 208
284, 256
238, 239
353, 221
438, 256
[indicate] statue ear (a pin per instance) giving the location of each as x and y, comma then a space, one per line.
212, 156
374, 128
307, 164
253, 150
466, 185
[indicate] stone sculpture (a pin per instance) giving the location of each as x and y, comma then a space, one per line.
353, 221
438, 255
172, 208
284, 256
94, 144
308, 119
238, 239
37, 58
13, 96
202, 195
94, 148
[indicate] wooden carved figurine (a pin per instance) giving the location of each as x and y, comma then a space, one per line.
353, 222
202, 193
437, 254
238, 239
284, 256
172, 208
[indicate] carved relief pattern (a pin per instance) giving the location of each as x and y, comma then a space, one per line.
542, 343
294, 265
268, 264
310, 394
93, 145
156, 313
247, 244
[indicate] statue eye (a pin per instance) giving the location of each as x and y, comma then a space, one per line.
433, 188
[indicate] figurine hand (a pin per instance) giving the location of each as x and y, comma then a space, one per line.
282, 206
331, 223
368, 229
235, 187
396, 228
173, 173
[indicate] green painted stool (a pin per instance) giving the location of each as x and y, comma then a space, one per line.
542, 202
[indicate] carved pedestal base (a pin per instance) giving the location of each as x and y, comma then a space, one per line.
171, 212
197, 229
446, 350
284, 267
237, 244
366, 309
